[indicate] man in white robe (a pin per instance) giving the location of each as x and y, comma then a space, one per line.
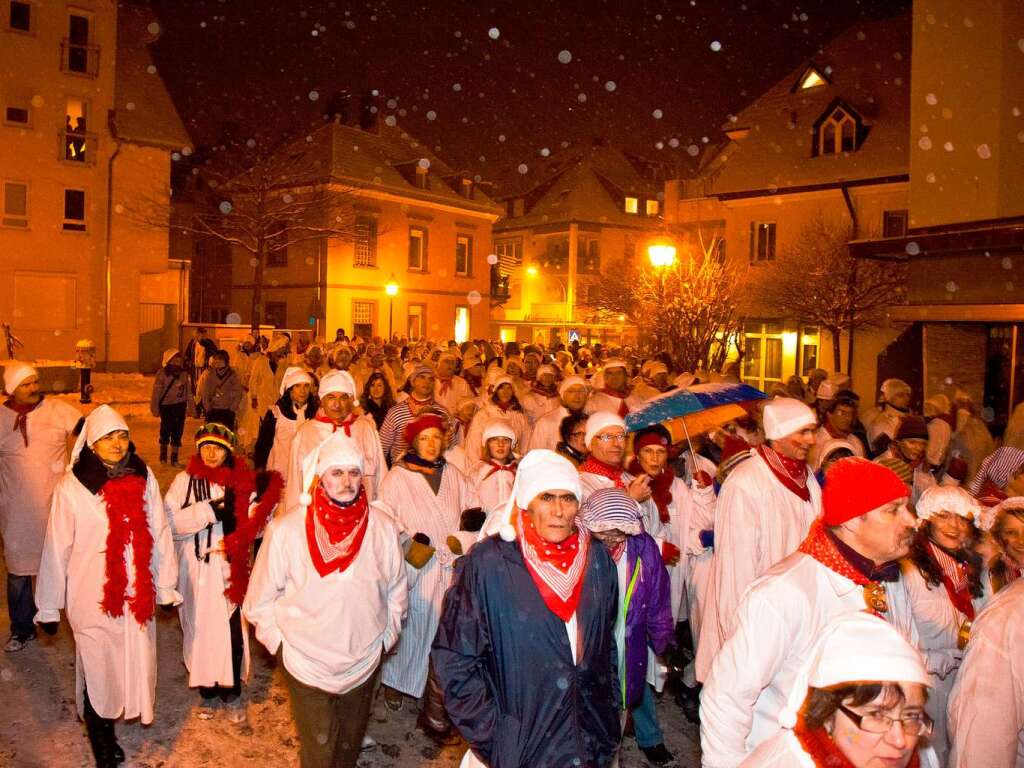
572, 394
34, 434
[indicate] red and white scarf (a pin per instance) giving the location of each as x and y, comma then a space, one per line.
335, 533
557, 570
954, 578
792, 473
598, 467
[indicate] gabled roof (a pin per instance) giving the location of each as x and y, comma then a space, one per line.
589, 188
868, 67
351, 156
143, 110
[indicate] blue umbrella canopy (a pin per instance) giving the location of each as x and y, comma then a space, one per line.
683, 402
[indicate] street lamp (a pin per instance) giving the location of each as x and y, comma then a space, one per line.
391, 289
661, 254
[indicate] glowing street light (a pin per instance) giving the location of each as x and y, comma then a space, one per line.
661, 255
391, 289
531, 271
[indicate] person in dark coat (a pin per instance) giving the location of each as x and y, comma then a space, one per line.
525, 652
644, 619
219, 391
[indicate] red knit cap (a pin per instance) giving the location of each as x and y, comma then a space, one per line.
420, 423
855, 486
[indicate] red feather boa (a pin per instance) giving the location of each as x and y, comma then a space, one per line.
125, 498
242, 481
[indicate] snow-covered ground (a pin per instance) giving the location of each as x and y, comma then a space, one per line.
39, 728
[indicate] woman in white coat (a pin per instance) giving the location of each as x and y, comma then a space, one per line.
859, 679
213, 523
502, 405
944, 583
496, 473
108, 561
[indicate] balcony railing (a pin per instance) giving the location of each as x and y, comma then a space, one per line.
79, 58
76, 147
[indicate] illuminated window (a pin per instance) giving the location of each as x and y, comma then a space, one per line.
365, 242
836, 133
418, 249
632, 205
362, 318
652, 207
463, 255
416, 323
461, 324
76, 131
812, 78
762, 241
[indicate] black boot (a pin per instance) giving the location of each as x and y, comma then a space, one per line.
688, 700
101, 737
163, 453
174, 456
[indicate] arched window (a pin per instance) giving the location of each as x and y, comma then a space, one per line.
837, 132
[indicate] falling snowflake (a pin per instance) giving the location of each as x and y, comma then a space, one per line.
693, 150
716, 46
153, 28
564, 57
932, 99
581, 98
657, 114
523, 168
473, 297
951, 287
457, 87
225, 207
1007, 263
912, 248
545, 152
924, 143
494, 33
313, 95
492, 259
948, 146
390, 121
610, 86
984, 151
431, 115
424, 163
151, 69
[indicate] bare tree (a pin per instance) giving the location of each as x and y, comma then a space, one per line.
816, 281
687, 309
262, 198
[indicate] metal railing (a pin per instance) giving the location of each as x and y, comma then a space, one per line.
76, 147
79, 58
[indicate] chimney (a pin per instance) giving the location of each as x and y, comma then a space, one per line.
369, 112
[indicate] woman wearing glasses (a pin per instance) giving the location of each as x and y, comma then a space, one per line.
858, 702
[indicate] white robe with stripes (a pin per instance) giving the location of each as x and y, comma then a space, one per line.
418, 510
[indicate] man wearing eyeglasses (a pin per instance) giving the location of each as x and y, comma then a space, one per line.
848, 562
606, 440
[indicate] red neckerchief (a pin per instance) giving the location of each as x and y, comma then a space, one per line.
623, 408
820, 546
792, 473
127, 525
954, 579
557, 570
661, 487
446, 384
824, 752
248, 523
21, 417
598, 467
496, 467
345, 423
335, 533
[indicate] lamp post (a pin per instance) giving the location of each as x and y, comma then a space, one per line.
391, 289
662, 256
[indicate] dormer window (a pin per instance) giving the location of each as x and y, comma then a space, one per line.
811, 78
632, 205
837, 131
420, 177
652, 207
467, 188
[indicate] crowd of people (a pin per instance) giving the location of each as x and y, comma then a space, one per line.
472, 532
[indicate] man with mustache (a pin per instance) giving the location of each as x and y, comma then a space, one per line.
848, 562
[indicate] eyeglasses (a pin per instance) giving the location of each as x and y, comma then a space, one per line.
918, 724
616, 438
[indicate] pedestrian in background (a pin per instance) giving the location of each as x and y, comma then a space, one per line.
219, 391
172, 392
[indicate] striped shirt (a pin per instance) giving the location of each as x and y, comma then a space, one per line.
997, 468
392, 431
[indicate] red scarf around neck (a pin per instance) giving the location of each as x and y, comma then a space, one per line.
446, 385
820, 546
598, 467
792, 473
954, 579
557, 570
21, 416
661, 487
337, 424
334, 534
125, 500
824, 752
242, 482
623, 408
496, 467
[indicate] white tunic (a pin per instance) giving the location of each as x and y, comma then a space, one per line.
938, 623
418, 510
28, 476
457, 389
489, 414
545, 430
986, 707
203, 575
776, 625
114, 657
493, 489
262, 386
602, 401
782, 750
758, 522
279, 458
332, 629
312, 433
536, 404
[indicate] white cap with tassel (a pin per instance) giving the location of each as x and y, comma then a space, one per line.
338, 450
540, 470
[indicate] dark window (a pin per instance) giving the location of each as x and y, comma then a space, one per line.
366, 242
589, 257
15, 213
463, 255
21, 16
74, 210
719, 250
275, 313
16, 115
556, 258
78, 44
762, 241
277, 245
894, 224
418, 249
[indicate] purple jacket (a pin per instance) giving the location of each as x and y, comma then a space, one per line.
648, 605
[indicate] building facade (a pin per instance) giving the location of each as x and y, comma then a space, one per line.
596, 213
415, 225
828, 142
87, 129
964, 248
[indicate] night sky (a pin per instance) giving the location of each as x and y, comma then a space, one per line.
494, 87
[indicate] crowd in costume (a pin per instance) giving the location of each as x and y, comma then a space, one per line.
483, 535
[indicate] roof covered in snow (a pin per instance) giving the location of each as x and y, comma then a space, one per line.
867, 70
